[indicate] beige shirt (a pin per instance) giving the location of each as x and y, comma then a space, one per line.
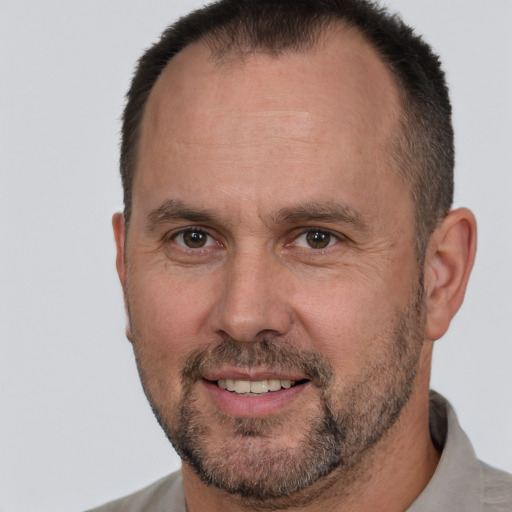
461, 482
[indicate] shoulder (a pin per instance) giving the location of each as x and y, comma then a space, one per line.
461, 481
497, 487
164, 495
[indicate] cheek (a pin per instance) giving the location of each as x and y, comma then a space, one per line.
168, 317
348, 323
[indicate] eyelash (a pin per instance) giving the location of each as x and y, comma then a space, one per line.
332, 239
193, 230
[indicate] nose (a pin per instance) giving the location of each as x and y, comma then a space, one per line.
253, 300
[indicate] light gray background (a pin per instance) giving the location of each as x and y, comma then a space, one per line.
75, 427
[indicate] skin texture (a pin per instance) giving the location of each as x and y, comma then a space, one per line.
241, 166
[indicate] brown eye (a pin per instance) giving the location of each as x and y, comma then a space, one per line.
193, 239
317, 239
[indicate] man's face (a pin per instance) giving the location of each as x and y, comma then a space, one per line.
271, 252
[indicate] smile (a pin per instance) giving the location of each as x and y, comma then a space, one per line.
254, 396
257, 387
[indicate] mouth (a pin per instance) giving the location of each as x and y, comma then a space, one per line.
256, 387
238, 393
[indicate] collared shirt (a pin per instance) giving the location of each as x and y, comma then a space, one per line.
461, 483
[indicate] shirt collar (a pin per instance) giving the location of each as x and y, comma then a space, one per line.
457, 483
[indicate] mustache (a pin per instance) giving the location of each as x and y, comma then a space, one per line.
274, 354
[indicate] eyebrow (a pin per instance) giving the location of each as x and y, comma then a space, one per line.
174, 209
321, 212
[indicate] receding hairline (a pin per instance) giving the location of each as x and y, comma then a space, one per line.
226, 48
223, 58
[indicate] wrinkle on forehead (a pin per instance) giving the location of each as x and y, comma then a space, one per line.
246, 128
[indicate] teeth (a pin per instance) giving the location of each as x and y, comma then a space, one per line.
258, 387
242, 386
274, 384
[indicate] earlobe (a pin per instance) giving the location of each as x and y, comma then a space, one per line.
450, 256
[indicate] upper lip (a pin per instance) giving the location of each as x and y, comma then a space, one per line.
251, 374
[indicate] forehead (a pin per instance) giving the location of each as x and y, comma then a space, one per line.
307, 117
341, 78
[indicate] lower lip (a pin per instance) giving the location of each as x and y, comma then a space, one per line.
253, 406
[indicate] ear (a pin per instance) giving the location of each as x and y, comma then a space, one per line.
119, 225
449, 260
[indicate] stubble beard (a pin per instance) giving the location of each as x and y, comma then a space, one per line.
334, 438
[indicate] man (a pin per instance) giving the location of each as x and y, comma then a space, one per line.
288, 258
